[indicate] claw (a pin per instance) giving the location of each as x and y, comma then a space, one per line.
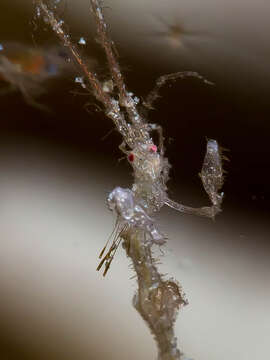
212, 172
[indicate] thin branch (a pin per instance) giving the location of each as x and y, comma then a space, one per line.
108, 46
57, 26
112, 109
125, 98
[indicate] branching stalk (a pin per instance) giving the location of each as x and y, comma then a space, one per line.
157, 300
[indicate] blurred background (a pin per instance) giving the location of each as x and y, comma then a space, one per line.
59, 159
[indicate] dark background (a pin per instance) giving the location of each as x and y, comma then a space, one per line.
235, 112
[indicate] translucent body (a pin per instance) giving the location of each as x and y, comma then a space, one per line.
149, 192
27, 69
150, 170
40, 62
157, 300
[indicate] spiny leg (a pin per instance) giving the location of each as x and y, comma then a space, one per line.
117, 238
125, 98
205, 211
164, 79
113, 250
113, 235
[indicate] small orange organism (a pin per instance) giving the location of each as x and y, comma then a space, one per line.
175, 33
27, 69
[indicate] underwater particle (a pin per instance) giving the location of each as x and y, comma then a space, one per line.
108, 86
176, 33
38, 11
82, 41
80, 80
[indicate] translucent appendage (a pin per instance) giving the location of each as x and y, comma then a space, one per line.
212, 173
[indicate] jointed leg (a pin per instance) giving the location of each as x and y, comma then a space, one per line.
162, 80
206, 211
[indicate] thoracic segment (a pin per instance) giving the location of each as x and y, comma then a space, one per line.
149, 192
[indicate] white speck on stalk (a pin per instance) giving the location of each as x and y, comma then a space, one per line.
38, 12
80, 80
82, 41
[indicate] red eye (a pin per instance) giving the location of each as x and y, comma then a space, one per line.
153, 148
131, 157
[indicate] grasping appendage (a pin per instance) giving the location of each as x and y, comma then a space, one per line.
212, 178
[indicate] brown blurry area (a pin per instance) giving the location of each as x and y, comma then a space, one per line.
56, 170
